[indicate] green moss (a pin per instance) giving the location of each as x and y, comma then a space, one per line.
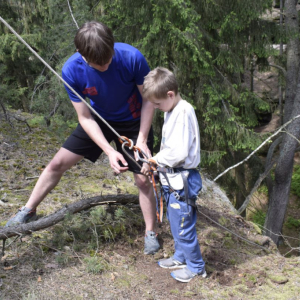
224, 221
277, 278
123, 282
252, 278
256, 227
96, 265
189, 294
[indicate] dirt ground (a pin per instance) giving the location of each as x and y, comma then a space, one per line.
53, 264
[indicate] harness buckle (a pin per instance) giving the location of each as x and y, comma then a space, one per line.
176, 195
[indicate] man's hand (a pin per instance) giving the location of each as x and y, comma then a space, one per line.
114, 158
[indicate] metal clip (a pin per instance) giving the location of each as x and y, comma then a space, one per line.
176, 195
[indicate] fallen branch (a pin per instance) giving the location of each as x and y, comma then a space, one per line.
256, 186
260, 146
48, 221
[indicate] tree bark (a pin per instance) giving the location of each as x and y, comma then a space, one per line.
292, 52
58, 216
279, 197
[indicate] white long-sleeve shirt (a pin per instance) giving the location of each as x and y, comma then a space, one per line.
180, 144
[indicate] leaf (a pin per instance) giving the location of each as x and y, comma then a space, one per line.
8, 268
113, 277
39, 279
3, 258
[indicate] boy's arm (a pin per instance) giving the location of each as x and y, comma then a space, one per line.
176, 145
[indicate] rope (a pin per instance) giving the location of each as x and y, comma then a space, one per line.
60, 78
237, 235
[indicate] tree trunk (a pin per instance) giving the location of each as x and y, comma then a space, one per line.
279, 196
292, 52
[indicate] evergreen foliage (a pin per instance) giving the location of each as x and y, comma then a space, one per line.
208, 44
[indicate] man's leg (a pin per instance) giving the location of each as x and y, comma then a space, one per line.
148, 207
61, 162
147, 201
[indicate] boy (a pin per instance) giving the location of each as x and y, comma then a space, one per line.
179, 154
111, 75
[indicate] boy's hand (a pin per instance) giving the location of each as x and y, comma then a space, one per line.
152, 161
145, 169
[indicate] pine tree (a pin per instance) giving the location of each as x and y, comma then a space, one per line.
208, 45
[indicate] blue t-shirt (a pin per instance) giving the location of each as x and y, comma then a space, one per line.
113, 93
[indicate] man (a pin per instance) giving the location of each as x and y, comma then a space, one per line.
111, 75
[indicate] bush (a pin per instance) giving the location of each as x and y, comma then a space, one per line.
295, 184
96, 226
292, 223
259, 217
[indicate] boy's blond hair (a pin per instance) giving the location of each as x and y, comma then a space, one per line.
158, 83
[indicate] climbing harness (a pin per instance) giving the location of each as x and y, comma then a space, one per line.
153, 173
184, 175
158, 194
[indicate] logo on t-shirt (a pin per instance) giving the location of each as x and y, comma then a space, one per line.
90, 90
134, 106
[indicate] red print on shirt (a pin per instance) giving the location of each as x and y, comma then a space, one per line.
90, 90
134, 106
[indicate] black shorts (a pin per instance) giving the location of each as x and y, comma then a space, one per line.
80, 143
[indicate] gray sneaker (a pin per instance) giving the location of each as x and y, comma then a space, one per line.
151, 243
171, 263
185, 275
24, 215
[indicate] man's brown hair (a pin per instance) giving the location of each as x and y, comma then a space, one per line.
158, 83
95, 42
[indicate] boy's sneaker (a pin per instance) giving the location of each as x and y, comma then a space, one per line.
185, 275
24, 215
151, 243
171, 263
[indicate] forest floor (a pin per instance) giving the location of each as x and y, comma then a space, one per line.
98, 254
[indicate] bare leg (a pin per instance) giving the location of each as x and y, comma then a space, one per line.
147, 201
61, 162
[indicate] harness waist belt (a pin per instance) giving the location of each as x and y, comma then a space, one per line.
184, 174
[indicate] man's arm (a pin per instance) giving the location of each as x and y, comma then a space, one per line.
146, 121
93, 130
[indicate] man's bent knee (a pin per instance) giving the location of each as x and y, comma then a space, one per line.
142, 182
62, 161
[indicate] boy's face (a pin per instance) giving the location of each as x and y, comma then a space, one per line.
164, 104
100, 68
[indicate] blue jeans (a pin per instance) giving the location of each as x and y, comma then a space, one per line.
182, 218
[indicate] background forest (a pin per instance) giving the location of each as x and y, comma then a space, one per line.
213, 46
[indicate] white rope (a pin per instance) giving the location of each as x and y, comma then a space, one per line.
262, 144
237, 235
59, 77
72, 14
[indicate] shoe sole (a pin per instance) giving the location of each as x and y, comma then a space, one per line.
204, 275
172, 267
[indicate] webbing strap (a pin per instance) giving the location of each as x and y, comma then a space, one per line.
184, 175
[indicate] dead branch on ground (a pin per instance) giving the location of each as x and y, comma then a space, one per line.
48, 221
